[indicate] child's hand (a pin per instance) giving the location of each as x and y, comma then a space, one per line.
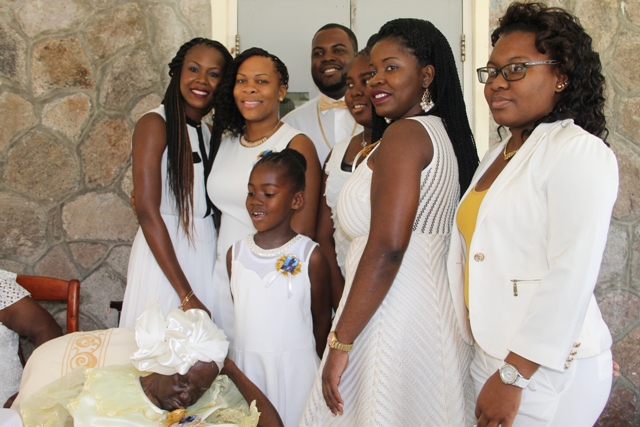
335, 366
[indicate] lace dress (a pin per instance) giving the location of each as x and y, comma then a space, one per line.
410, 365
113, 397
10, 366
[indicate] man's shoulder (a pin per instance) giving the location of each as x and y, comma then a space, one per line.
302, 112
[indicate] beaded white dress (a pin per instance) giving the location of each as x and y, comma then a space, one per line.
227, 188
275, 346
410, 365
146, 282
336, 178
10, 366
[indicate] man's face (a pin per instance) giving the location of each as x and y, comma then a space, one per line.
331, 55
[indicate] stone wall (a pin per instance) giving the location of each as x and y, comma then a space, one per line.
615, 28
74, 77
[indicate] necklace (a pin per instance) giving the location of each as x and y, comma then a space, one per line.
270, 252
250, 144
364, 141
324, 136
508, 156
367, 150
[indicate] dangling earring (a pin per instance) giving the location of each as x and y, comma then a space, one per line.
388, 120
427, 103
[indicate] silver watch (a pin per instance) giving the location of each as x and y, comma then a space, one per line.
509, 375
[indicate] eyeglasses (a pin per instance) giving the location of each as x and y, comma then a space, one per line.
510, 72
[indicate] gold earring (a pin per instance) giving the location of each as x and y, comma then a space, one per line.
562, 85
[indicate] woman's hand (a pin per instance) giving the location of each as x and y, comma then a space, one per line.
334, 367
194, 302
498, 403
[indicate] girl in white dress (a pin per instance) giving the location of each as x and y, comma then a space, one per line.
278, 280
173, 254
247, 109
332, 239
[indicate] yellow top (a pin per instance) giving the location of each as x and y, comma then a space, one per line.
466, 221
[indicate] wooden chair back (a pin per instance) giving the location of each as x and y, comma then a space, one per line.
49, 289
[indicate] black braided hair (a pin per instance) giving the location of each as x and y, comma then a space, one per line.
228, 117
350, 34
430, 47
179, 154
291, 164
560, 34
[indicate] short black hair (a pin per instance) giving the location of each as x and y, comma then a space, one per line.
560, 35
347, 30
291, 163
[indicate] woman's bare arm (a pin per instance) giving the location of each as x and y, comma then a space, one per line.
268, 415
149, 143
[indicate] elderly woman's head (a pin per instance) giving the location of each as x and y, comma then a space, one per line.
184, 351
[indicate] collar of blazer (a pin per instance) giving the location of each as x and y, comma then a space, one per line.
513, 167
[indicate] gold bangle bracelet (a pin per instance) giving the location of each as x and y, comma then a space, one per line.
185, 300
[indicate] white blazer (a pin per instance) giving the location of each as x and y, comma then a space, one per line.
537, 248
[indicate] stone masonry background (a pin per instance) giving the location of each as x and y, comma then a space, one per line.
75, 75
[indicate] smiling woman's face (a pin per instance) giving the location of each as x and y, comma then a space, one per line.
399, 81
258, 89
171, 392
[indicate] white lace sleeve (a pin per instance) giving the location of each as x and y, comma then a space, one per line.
10, 291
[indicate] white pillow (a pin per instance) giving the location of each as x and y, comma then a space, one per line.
55, 358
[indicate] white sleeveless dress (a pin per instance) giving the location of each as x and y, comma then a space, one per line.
146, 282
227, 188
336, 178
274, 345
409, 366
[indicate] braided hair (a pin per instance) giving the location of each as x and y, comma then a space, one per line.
179, 154
228, 117
430, 47
560, 34
291, 163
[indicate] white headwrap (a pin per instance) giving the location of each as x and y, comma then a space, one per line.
175, 344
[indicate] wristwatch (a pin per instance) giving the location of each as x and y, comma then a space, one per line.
337, 345
509, 375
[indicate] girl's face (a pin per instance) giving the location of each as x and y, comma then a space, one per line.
399, 81
357, 95
271, 200
201, 73
519, 104
257, 90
